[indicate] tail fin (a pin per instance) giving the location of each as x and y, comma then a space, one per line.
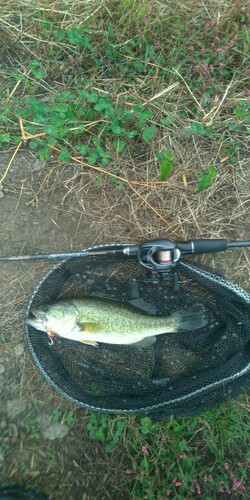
191, 318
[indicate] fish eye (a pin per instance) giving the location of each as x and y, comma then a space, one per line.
45, 309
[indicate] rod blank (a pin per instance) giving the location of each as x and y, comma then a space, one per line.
234, 244
59, 255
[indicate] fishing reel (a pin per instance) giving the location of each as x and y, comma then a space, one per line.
159, 255
162, 255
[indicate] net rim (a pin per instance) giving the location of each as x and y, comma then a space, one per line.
143, 409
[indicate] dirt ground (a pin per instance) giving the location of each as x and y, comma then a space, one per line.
53, 207
44, 451
39, 212
48, 207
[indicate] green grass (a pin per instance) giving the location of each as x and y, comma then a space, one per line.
132, 74
95, 93
205, 455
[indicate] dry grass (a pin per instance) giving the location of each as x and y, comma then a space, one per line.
75, 211
146, 208
17, 285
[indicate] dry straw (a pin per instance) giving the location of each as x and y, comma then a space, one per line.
141, 206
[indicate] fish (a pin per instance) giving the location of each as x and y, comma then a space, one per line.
91, 320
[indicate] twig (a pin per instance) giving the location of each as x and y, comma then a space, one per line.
162, 92
148, 204
222, 100
13, 91
190, 91
11, 161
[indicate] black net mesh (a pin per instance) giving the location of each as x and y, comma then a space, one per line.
182, 373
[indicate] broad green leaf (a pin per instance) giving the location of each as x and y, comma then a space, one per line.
116, 129
77, 130
148, 133
38, 73
59, 35
144, 114
4, 119
55, 120
240, 113
138, 66
102, 104
97, 182
121, 186
132, 133
92, 157
120, 145
5, 137
206, 178
51, 131
165, 158
197, 128
44, 153
66, 95
64, 156
33, 144
96, 141
105, 161
36, 69
83, 149
165, 170
93, 97
233, 159
146, 421
75, 36
61, 108
16, 139
168, 120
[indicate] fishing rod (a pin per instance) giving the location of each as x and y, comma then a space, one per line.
157, 254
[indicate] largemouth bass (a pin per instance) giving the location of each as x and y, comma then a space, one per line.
92, 320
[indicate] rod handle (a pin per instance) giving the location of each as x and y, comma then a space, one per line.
202, 246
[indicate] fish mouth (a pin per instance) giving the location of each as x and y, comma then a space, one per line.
34, 314
35, 320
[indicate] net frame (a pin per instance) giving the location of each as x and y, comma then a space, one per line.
176, 397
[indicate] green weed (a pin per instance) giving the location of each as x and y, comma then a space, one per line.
31, 428
165, 158
3, 449
56, 414
98, 121
69, 418
100, 427
84, 122
98, 90
205, 455
206, 178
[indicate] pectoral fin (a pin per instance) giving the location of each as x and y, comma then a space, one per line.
89, 327
89, 342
